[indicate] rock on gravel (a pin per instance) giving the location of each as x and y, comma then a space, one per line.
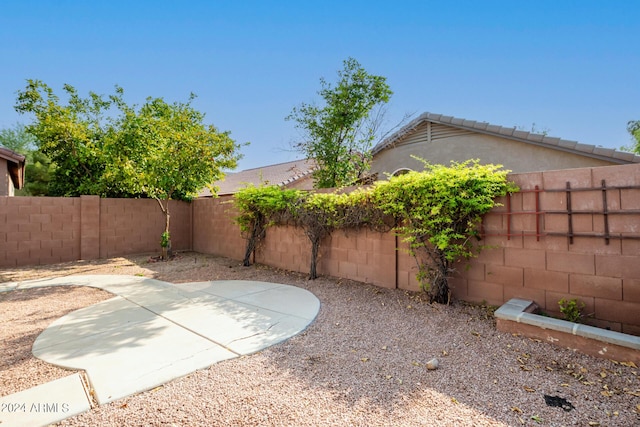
433, 364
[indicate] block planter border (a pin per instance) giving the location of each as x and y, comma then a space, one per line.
519, 316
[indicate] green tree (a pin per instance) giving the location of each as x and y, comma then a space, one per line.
17, 139
70, 135
339, 135
158, 150
633, 127
38, 168
164, 151
38, 173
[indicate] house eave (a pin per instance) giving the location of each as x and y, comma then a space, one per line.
573, 147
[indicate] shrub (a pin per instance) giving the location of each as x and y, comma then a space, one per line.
261, 207
436, 211
571, 309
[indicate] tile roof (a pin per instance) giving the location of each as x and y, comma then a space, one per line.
281, 174
608, 154
10, 155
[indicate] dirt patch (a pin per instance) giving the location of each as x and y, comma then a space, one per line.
24, 315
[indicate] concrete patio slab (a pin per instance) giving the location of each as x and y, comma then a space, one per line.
152, 332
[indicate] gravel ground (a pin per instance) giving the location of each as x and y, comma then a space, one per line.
360, 363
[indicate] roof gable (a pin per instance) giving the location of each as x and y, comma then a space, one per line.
281, 174
471, 126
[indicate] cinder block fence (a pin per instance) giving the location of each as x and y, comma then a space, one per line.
46, 230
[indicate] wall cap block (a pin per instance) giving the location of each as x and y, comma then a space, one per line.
513, 308
517, 310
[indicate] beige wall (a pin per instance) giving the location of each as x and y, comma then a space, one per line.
6, 185
513, 155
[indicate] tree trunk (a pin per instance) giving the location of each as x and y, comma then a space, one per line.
251, 246
434, 271
439, 290
315, 245
166, 250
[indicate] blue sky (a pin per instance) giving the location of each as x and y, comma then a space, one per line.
571, 67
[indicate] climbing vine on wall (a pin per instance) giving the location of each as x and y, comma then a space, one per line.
436, 211
260, 207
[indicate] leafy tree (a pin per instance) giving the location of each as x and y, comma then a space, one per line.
38, 168
158, 150
339, 135
633, 127
17, 139
70, 135
164, 151
38, 174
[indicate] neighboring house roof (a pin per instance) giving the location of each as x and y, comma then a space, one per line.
281, 174
16, 163
607, 154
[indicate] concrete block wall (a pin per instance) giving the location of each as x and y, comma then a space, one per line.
39, 230
133, 226
361, 255
47, 230
358, 255
287, 248
604, 276
214, 231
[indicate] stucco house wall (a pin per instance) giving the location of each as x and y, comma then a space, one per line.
441, 139
6, 185
11, 171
